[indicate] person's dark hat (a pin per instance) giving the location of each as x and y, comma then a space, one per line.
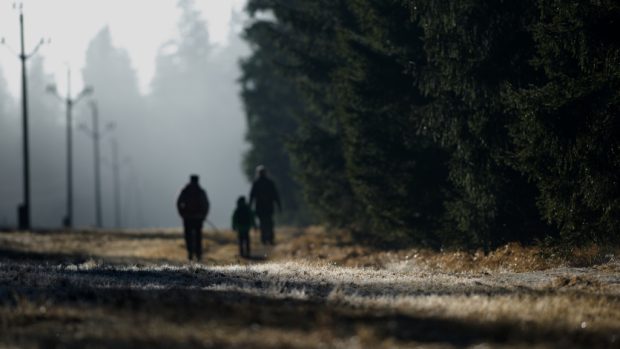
193, 178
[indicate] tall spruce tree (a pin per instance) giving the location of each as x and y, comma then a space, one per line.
568, 127
459, 122
398, 173
303, 34
271, 103
473, 49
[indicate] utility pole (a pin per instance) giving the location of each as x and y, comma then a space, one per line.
70, 102
116, 177
97, 161
23, 210
96, 135
117, 189
68, 219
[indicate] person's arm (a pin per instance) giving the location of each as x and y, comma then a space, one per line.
181, 204
252, 194
205, 203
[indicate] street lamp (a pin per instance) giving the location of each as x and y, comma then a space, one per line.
96, 135
70, 102
23, 211
116, 165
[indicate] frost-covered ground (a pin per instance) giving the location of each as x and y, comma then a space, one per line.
68, 290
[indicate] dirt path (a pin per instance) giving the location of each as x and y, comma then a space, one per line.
84, 297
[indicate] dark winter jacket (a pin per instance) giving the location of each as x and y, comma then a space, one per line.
243, 219
264, 194
193, 202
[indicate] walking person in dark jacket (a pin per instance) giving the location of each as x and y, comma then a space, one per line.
263, 196
242, 222
193, 207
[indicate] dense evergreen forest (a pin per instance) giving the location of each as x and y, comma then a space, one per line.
440, 123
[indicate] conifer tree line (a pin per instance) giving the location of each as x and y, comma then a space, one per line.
440, 123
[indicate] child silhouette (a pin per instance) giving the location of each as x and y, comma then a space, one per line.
242, 222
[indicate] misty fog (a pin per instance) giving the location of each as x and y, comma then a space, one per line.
190, 121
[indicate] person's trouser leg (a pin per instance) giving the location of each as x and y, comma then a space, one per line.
187, 229
247, 243
198, 240
244, 242
268, 228
262, 220
240, 241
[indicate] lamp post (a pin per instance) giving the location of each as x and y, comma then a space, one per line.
70, 103
23, 211
116, 165
96, 135
117, 184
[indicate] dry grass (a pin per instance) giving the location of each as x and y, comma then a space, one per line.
313, 244
337, 247
314, 289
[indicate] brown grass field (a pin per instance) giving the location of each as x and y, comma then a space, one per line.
314, 289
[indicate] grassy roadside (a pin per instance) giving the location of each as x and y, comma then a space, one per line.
314, 244
315, 288
337, 247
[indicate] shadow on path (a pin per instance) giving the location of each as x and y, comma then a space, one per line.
241, 297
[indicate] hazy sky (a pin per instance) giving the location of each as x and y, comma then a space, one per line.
207, 128
139, 26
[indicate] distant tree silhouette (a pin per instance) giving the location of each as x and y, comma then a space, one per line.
179, 106
47, 148
109, 70
183, 62
10, 190
272, 103
196, 112
47, 153
5, 99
